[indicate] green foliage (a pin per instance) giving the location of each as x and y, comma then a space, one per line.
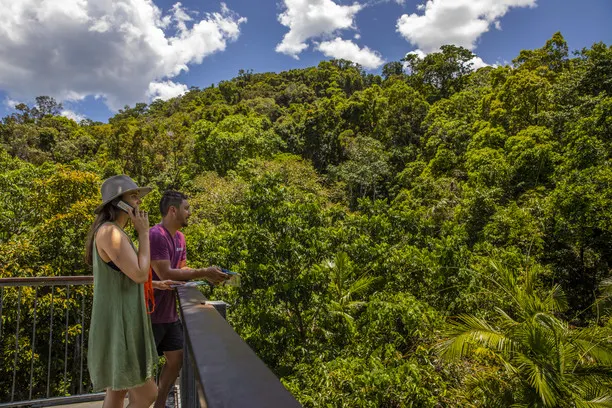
366, 168
361, 213
440, 74
344, 287
541, 360
391, 69
222, 146
365, 382
552, 57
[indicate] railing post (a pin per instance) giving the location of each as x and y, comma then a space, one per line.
220, 306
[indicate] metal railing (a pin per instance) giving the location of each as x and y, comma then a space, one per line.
44, 322
43, 327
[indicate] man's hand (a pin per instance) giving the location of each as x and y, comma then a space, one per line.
165, 284
214, 275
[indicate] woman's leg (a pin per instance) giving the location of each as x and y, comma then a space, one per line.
114, 399
143, 396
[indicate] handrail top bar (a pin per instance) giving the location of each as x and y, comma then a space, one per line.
228, 371
47, 281
47, 402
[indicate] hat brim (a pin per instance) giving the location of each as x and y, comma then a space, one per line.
142, 191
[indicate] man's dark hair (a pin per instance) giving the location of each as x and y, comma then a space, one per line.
169, 199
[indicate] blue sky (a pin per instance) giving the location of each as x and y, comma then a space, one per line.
98, 56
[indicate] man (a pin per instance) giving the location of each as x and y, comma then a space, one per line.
168, 260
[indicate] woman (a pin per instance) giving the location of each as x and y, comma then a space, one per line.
121, 350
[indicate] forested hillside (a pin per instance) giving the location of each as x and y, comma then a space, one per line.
435, 237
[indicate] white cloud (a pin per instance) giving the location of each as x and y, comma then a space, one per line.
10, 103
118, 50
77, 117
357, 36
457, 22
346, 49
308, 19
165, 90
477, 62
180, 17
418, 53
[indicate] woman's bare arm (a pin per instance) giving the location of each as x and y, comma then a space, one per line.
114, 245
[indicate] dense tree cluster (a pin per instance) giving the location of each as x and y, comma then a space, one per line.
437, 236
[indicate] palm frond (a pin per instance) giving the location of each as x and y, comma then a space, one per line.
456, 347
542, 380
361, 285
591, 388
592, 344
590, 351
507, 321
506, 280
604, 401
531, 279
550, 322
340, 270
556, 301
472, 329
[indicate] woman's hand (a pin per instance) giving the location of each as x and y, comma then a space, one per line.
166, 284
140, 220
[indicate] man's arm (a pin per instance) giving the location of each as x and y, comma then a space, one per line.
166, 284
212, 274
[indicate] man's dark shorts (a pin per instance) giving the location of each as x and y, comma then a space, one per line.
168, 336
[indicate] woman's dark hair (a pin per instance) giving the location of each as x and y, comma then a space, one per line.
108, 213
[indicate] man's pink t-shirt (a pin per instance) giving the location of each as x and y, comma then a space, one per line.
166, 247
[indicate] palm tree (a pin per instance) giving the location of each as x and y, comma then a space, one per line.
539, 360
345, 288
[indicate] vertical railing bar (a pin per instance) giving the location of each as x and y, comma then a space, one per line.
66, 338
16, 343
1, 300
50, 341
33, 341
74, 374
82, 339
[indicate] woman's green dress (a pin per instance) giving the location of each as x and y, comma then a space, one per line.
121, 351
